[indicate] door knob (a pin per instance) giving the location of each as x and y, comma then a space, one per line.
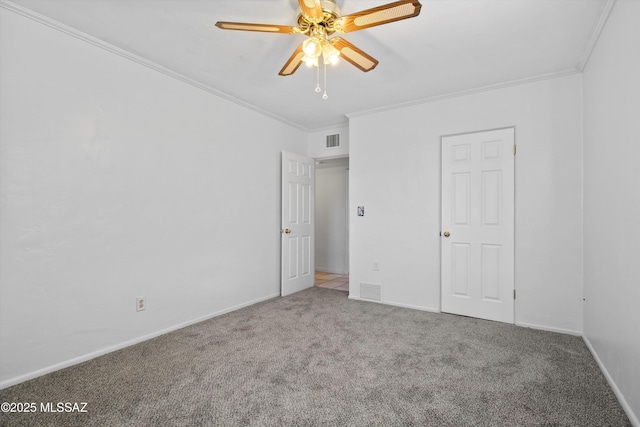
286, 231
446, 234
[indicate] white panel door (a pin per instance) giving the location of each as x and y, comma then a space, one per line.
297, 223
478, 225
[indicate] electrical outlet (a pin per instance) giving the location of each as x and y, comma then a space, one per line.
141, 304
376, 265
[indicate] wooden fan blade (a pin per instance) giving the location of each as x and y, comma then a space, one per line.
385, 14
354, 55
293, 63
311, 9
264, 28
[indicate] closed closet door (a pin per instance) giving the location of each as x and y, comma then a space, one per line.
477, 240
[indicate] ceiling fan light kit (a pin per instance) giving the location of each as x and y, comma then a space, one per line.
319, 20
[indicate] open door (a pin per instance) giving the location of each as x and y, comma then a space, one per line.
297, 223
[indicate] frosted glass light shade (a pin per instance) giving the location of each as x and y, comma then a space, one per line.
312, 47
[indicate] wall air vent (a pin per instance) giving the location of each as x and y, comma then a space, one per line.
372, 292
333, 141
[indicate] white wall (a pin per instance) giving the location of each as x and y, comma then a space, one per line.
331, 220
117, 181
612, 203
395, 175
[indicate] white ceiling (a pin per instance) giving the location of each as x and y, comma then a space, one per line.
452, 46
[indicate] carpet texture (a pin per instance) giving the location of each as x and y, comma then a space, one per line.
317, 358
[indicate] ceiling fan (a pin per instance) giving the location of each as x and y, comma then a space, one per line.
319, 20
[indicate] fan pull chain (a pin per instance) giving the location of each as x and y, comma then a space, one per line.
325, 96
318, 80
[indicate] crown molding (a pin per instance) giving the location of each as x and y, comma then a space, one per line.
28, 13
588, 49
510, 83
584, 59
595, 34
329, 128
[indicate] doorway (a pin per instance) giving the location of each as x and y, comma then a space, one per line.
332, 223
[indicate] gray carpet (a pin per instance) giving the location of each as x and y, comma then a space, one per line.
317, 358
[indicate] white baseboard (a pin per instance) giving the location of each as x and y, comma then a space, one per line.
110, 349
397, 304
549, 329
331, 271
623, 402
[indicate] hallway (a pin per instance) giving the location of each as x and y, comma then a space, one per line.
338, 282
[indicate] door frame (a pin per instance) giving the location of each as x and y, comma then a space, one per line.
515, 199
301, 280
346, 213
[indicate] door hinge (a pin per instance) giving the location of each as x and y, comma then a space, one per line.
514, 294
514, 149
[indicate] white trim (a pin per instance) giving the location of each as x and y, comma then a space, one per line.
110, 349
477, 131
623, 402
595, 34
331, 271
549, 328
434, 310
27, 13
397, 304
465, 92
6, 4
347, 222
338, 127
